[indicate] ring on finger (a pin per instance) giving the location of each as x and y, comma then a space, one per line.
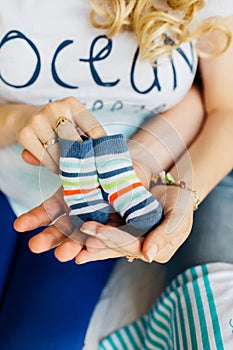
62, 121
49, 143
131, 258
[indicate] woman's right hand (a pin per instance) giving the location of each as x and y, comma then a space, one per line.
41, 127
36, 130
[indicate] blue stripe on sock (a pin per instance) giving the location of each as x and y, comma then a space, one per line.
101, 216
64, 173
140, 205
114, 172
148, 220
86, 204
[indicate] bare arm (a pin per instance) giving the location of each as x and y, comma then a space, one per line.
209, 159
161, 140
13, 117
212, 153
146, 149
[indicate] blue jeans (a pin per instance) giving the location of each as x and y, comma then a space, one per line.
45, 304
211, 239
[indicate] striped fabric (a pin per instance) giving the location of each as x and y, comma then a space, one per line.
195, 312
80, 182
121, 186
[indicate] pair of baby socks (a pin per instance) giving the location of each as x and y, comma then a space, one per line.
97, 175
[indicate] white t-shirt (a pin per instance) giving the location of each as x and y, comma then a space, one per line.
49, 50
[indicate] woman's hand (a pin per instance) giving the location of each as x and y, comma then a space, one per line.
159, 245
61, 234
54, 214
36, 131
162, 243
109, 241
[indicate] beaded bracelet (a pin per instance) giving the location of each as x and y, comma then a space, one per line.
165, 178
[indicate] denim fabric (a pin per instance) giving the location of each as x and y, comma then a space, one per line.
211, 239
8, 242
46, 305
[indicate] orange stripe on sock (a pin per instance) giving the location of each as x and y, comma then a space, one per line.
72, 192
124, 190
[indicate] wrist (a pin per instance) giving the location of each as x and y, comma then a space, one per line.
14, 117
165, 178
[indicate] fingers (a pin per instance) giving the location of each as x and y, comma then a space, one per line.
81, 117
30, 141
68, 240
68, 250
66, 130
94, 244
70, 247
42, 215
39, 135
166, 253
162, 243
86, 256
50, 238
85, 119
39, 138
29, 158
33, 219
97, 250
119, 241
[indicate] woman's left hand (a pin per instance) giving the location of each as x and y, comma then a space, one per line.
57, 231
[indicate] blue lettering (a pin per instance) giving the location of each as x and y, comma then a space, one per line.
181, 52
104, 52
97, 105
174, 75
53, 65
170, 42
139, 108
117, 106
15, 34
159, 109
155, 82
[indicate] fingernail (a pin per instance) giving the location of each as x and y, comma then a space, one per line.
151, 252
80, 262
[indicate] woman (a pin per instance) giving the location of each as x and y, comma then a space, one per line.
94, 68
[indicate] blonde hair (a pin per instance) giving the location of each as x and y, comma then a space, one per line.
153, 21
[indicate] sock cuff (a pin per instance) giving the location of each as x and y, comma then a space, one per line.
110, 144
76, 149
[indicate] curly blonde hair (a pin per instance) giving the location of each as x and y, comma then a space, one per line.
154, 21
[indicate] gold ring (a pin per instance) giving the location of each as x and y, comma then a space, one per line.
62, 121
49, 143
131, 258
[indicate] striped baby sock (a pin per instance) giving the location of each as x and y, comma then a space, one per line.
82, 192
121, 186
